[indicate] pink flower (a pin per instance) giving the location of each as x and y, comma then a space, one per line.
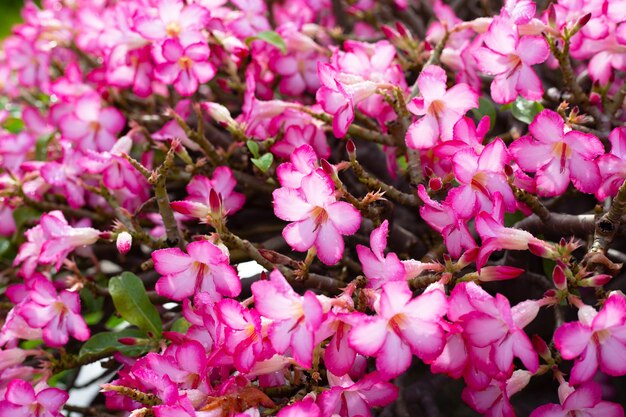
444, 219
556, 153
197, 203
186, 66
339, 93
402, 326
124, 242
243, 335
613, 165
585, 400
303, 161
509, 57
441, 108
355, 399
205, 268
174, 19
57, 314
494, 400
304, 408
296, 136
596, 340
295, 318
21, 400
378, 268
92, 126
318, 219
480, 178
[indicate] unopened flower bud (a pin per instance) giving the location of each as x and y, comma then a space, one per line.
559, 278
350, 147
595, 281
124, 242
215, 202
542, 348
218, 113
435, 183
328, 168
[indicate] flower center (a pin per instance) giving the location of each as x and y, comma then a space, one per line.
437, 107
185, 63
319, 215
563, 152
479, 180
173, 29
398, 322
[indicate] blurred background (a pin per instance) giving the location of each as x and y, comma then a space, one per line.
9, 15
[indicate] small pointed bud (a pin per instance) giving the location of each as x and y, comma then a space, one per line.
428, 172
580, 24
218, 113
562, 242
499, 273
552, 16
106, 235
350, 147
435, 183
128, 341
542, 348
559, 278
595, 281
124, 242
403, 30
328, 168
389, 32
215, 202
508, 170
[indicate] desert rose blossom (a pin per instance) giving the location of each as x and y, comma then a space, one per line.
173, 20
295, 318
57, 314
597, 340
402, 326
301, 163
585, 400
494, 401
439, 107
556, 153
509, 57
355, 399
480, 177
205, 268
317, 218
185, 65
613, 165
90, 125
304, 408
21, 400
198, 201
378, 267
296, 136
244, 338
444, 219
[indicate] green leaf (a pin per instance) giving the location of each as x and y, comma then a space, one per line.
254, 148
13, 125
110, 341
180, 326
132, 302
24, 214
5, 245
41, 147
263, 163
270, 37
524, 110
485, 108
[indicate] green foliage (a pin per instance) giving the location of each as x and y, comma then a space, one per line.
132, 303
524, 110
109, 341
270, 37
485, 108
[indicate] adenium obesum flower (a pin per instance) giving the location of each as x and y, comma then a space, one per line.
318, 219
57, 314
198, 201
401, 327
355, 399
556, 153
509, 57
585, 400
440, 107
295, 318
205, 268
598, 339
613, 165
21, 400
494, 400
186, 66
378, 267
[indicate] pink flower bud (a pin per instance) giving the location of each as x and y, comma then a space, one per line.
328, 168
541, 347
215, 201
559, 278
595, 281
435, 183
350, 147
552, 16
124, 242
499, 273
218, 113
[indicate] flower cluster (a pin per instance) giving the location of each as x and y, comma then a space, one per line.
310, 208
